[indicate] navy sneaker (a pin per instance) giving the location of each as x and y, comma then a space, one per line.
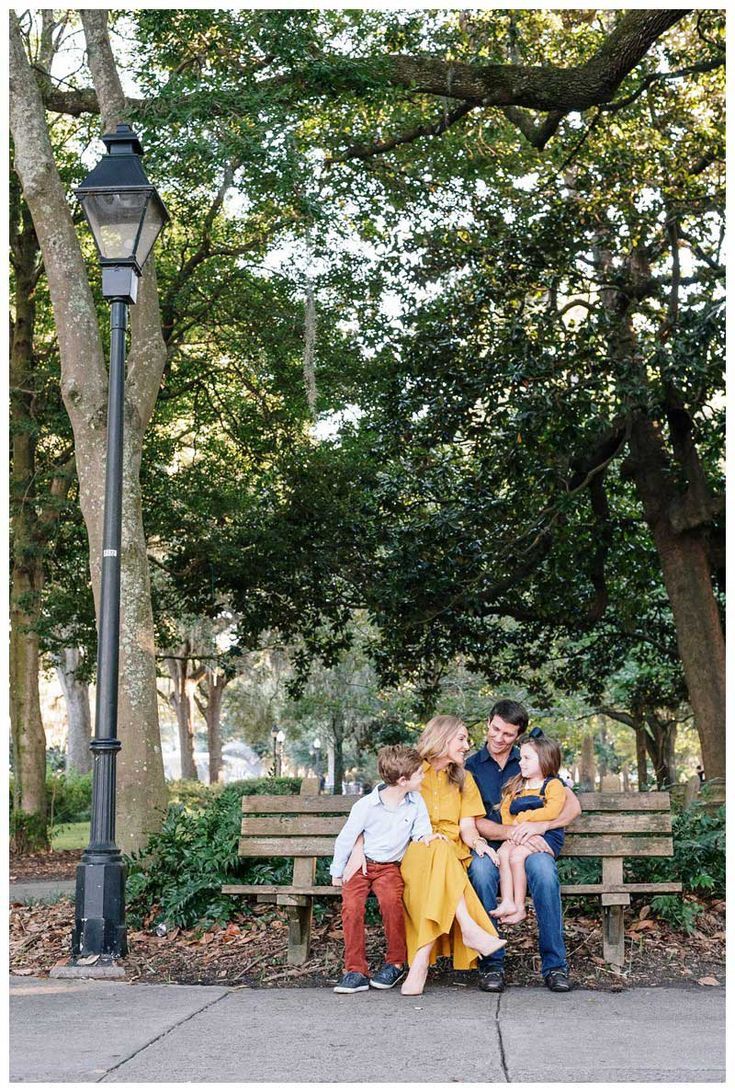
387, 976
558, 981
352, 982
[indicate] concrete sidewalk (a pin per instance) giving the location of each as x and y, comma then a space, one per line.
93, 1031
31, 891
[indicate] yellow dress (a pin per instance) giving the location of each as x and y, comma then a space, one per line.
435, 876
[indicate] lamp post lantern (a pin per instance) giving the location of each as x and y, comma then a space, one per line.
125, 215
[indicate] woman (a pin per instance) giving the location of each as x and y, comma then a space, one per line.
443, 914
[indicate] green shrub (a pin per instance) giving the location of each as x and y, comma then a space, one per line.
195, 794
68, 797
699, 854
680, 912
178, 876
28, 833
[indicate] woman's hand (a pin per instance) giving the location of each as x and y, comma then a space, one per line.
430, 837
482, 849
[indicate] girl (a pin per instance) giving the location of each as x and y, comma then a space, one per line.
536, 794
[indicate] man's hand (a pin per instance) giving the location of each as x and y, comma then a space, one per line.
430, 837
523, 832
336, 881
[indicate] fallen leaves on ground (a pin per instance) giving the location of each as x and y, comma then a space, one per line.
250, 950
52, 864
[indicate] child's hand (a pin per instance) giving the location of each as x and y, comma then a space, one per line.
336, 881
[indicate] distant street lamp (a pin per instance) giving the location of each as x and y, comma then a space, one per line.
126, 215
318, 759
281, 738
274, 738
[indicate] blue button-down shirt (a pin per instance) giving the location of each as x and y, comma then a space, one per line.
490, 777
387, 830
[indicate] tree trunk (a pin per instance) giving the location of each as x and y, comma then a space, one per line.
28, 736
27, 577
660, 742
587, 765
181, 700
213, 689
640, 754
76, 695
141, 796
686, 571
338, 735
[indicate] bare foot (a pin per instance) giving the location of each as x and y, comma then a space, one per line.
482, 941
503, 908
415, 980
518, 915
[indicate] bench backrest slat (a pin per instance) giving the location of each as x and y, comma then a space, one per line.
304, 805
340, 805
284, 826
286, 847
624, 801
612, 845
275, 826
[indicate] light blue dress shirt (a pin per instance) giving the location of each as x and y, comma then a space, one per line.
387, 831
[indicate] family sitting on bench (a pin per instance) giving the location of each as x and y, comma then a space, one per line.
434, 841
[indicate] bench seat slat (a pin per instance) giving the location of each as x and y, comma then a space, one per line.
622, 888
275, 889
612, 845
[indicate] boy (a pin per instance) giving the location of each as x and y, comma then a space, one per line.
389, 818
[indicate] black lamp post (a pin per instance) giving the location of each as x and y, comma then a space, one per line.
126, 216
318, 764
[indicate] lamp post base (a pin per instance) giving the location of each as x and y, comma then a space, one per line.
99, 925
104, 967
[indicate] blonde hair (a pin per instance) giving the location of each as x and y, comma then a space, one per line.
432, 743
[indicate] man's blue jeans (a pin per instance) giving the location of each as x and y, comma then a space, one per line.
543, 885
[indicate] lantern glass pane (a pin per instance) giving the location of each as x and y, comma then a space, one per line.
152, 224
114, 219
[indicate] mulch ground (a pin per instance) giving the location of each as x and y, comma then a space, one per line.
54, 864
251, 950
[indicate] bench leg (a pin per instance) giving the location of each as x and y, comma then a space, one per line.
613, 935
299, 933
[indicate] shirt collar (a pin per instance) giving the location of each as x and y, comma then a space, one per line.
485, 755
374, 797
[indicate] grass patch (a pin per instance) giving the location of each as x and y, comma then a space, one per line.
70, 836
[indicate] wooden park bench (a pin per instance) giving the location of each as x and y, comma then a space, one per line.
612, 826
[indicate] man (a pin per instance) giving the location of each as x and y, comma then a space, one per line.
494, 764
